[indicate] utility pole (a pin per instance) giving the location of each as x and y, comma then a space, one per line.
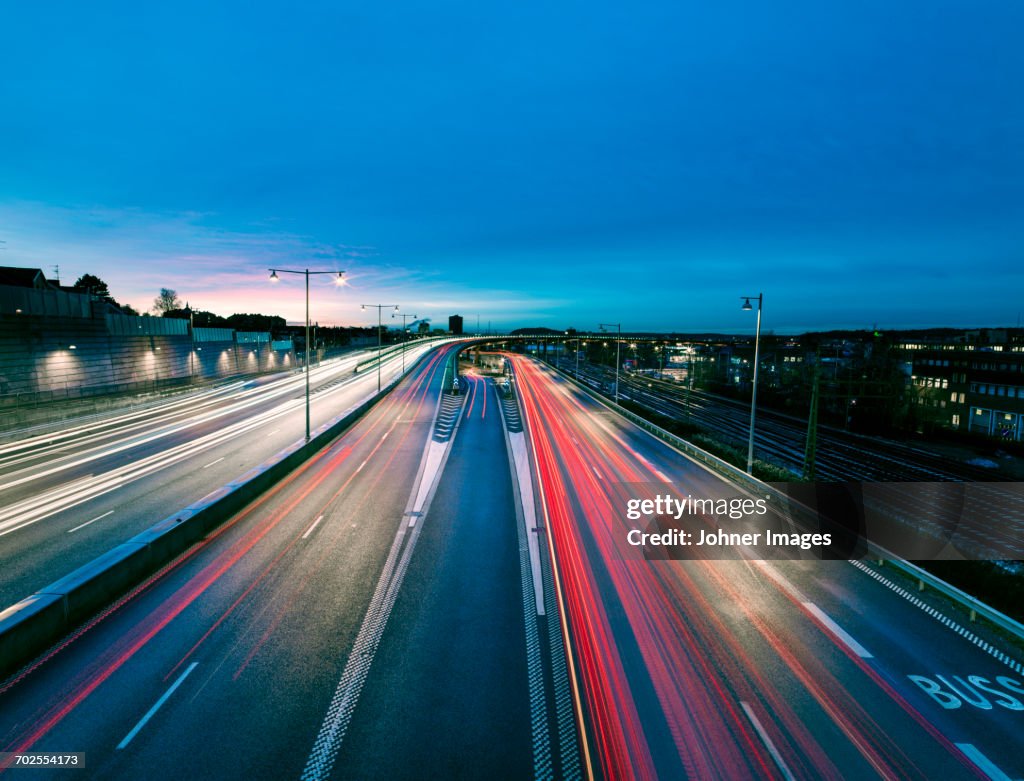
812, 422
618, 345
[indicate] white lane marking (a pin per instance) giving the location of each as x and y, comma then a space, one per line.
986, 765
156, 707
838, 631
779, 761
661, 476
214, 462
309, 531
949, 623
271, 433
357, 666
98, 517
385, 436
597, 473
360, 467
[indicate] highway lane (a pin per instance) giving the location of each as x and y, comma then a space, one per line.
451, 693
239, 646
737, 668
58, 513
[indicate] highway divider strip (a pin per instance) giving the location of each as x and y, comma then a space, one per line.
976, 607
30, 626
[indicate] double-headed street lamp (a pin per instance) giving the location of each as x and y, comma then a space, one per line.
618, 344
405, 322
379, 340
339, 280
753, 394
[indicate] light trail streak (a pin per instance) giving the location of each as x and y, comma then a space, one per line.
316, 471
700, 670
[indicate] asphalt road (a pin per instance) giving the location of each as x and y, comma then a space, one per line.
362, 620
742, 668
67, 496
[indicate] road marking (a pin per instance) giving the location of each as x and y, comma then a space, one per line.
360, 467
98, 517
838, 631
156, 707
597, 473
661, 476
357, 666
309, 531
385, 436
986, 765
214, 462
779, 761
984, 645
271, 433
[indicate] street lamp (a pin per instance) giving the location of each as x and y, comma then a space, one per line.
753, 394
338, 280
379, 307
405, 320
618, 344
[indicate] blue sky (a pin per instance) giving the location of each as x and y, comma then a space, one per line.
533, 163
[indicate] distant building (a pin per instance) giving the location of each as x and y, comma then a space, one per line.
972, 383
455, 325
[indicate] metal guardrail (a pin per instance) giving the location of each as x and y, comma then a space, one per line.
924, 579
976, 607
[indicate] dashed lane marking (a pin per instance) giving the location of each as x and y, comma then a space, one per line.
968, 635
97, 518
157, 705
776, 756
837, 630
309, 531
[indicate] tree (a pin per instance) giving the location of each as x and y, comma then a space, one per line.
89, 283
166, 302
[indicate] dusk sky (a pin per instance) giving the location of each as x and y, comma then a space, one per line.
533, 163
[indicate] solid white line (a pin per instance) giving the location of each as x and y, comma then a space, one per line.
783, 768
214, 462
309, 531
838, 631
986, 765
156, 707
83, 525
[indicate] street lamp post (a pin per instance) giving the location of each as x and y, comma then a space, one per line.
405, 320
618, 345
192, 346
753, 393
379, 307
339, 280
